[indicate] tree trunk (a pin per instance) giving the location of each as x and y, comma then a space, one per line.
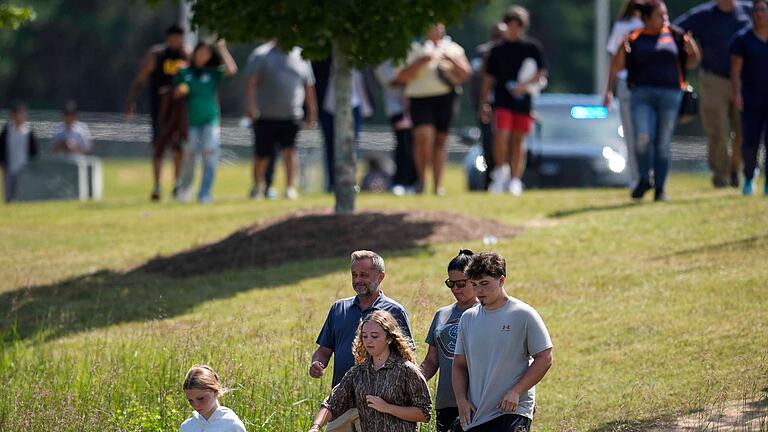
344, 146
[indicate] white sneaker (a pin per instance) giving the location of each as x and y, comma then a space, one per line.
499, 178
291, 193
515, 187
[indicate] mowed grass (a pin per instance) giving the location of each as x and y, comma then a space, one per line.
655, 310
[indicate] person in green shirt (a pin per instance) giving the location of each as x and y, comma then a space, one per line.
199, 83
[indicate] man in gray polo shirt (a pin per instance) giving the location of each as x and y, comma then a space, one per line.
493, 376
340, 326
280, 85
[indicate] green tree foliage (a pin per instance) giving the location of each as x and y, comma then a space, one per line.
355, 33
12, 16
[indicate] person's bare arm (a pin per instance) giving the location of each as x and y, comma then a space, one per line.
430, 364
250, 96
461, 67
693, 51
617, 63
484, 110
460, 377
310, 100
535, 372
148, 66
737, 64
321, 419
409, 413
320, 361
408, 73
229, 63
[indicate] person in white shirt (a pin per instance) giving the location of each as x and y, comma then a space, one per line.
17, 147
433, 70
72, 136
203, 389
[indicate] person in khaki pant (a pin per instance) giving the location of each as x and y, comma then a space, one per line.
722, 124
713, 24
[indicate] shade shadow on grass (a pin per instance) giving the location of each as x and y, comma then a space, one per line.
263, 256
733, 245
590, 209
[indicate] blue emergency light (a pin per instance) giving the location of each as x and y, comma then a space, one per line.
589, 112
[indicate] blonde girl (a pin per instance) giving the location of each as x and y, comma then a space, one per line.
385, 385
203, 389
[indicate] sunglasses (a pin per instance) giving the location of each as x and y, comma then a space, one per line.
456, 283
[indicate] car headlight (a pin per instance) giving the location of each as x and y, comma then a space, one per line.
616, 162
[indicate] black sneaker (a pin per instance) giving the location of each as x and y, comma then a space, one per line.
734, 179
719, 183
659, 195
642, 187
175, 193
155, 195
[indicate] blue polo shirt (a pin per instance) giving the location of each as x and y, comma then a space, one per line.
714, 29
340, 327
754, 73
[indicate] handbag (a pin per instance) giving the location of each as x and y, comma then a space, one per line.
689, 106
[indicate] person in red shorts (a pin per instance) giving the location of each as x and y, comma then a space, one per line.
514, 68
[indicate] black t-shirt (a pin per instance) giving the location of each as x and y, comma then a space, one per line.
504, 62
754, 72
656, 59
168, 62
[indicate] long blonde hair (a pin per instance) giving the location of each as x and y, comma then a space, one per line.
399, 346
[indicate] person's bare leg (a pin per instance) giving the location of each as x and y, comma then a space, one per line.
501, 146
157, 170
291, 165
518, 155
423, 137
439, 155
259, 167
178, 158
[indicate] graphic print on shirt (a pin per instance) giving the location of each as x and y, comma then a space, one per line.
172, 66
446, 337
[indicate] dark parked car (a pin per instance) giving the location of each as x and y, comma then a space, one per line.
576, 143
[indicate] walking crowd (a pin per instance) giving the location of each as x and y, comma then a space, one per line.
651, 57
489, 349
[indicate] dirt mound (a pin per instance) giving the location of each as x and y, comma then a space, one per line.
321, 234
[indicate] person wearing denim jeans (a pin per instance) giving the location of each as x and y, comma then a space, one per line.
203, 143
199, 83
654, 115
655, 57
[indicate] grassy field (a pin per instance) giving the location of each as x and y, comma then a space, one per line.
656, 310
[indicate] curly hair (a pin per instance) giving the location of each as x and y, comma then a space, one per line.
486, 264
399, 346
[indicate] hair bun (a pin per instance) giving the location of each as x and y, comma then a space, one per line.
466, 252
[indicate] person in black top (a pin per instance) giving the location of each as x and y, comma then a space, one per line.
749, 78
160, 66
514, 68
656, 57
498, 32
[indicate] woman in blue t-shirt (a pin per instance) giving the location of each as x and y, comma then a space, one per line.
655, 57
749, 79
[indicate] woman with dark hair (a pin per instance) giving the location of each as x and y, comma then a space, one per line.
199, 83
749, 79
655, 57
441, 339
627, 22
385, 384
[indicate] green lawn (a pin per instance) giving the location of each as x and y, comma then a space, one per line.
655, 310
